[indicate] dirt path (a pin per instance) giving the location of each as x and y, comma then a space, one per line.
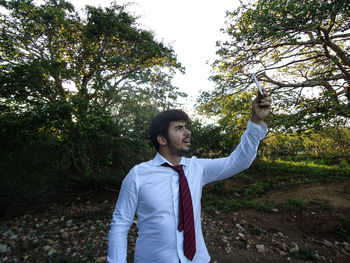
335, 194
74, 229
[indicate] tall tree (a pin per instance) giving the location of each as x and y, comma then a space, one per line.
80, 74
300, 52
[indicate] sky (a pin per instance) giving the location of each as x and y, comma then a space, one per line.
191, 27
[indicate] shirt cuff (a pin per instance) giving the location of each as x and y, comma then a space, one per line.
257, 130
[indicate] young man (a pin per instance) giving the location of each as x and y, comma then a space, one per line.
165, 192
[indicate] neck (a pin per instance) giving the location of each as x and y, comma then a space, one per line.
173, 159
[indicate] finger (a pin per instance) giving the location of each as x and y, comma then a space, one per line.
265, 92
265, 102
268, 98
259, 95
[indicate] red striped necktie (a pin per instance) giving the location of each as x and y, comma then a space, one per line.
186, 220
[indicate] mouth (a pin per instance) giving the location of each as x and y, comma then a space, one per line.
187, 141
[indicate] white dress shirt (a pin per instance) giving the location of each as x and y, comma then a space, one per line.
151, 191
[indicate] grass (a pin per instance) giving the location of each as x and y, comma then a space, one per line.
269, 175
305, 254
89, 248
343, 229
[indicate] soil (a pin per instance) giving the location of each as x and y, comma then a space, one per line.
74, 227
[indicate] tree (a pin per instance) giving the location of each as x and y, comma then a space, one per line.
300, 52
79, 75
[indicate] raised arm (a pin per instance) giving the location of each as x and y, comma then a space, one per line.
242, 157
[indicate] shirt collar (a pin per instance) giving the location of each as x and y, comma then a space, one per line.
159, 160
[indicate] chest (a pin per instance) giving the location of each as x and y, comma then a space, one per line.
159, 191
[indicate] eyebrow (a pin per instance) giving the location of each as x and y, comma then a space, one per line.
180, 126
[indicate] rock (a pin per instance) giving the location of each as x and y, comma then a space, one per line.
74, 228
347, 248
294, 249
241, 236
69, 223
344, 252
101, 259
228, 250
344, 244
242, 222
51, 252
284, 246
326, 243
47, 248
225, 239
12, 237
260, 248
6, 233
275, 210
65, 235
3, 248
282, 253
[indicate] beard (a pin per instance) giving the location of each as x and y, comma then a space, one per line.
179, 150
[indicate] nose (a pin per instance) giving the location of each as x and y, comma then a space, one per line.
187, 132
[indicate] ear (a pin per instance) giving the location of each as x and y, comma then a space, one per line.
161, 140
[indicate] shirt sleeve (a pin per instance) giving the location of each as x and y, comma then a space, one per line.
240, 159
123, 217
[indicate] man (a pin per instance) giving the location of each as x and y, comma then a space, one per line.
165, 192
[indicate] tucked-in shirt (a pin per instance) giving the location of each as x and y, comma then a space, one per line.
151, 191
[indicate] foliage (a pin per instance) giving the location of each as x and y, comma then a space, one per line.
211, 141
343, 230
329, 146
292, 204
305, 254
343, 234
84, 84
300, 51
265, 176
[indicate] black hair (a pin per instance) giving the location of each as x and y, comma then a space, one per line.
161, 122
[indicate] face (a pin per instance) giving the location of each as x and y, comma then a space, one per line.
179, 138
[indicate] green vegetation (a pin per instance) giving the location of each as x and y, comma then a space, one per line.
78, 91
89, 249
343, 234
300, 51
343, 230
256, 231
305, 254
268, 175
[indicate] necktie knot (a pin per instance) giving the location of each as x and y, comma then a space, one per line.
178, 168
